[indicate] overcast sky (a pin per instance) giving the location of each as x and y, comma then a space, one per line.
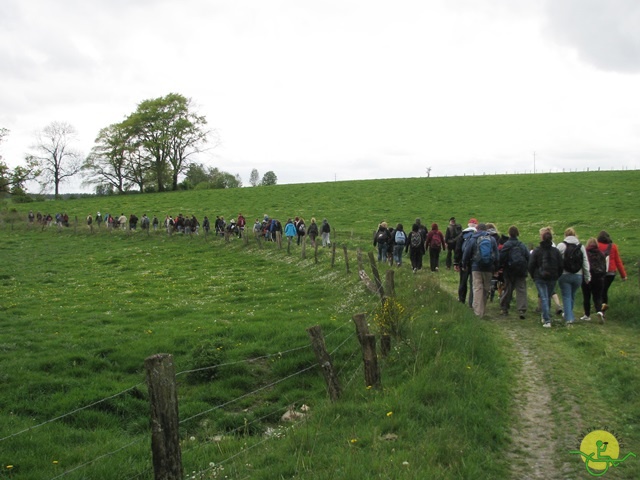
329, 90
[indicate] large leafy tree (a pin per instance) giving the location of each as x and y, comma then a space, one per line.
107, 162
170, 132
56, 160
269, 178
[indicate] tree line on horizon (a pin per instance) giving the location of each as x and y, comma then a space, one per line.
151, 150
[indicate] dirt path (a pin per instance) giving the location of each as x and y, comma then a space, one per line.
543, 427
534, 446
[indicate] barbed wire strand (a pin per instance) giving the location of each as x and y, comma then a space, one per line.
228, 459
67, 472
249, 393
70, 413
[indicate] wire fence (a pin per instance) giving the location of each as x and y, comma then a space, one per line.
348, 370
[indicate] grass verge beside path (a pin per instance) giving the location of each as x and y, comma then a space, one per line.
572, 380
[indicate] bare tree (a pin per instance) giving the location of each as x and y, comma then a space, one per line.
254, 179
56, 159
428, 172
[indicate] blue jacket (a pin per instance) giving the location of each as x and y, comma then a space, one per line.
290, 230
469, 253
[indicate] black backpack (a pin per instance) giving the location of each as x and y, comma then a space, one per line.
382, 236
517, 261
572, 257
597, 261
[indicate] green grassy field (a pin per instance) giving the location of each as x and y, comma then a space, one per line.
81, 311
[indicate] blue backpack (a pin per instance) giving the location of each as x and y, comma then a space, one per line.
484, 255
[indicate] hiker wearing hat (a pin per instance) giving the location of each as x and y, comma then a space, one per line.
466, 280
451, 235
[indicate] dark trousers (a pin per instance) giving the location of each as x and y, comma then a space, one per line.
415, 254
466, 284
434, 258
593, 290
449, 254
608, 280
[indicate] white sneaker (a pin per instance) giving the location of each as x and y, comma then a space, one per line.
547, 325
601, 319
585, 318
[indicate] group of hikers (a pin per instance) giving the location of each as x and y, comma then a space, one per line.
488, 261
485, 260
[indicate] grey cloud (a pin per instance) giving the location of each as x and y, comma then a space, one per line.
605, 34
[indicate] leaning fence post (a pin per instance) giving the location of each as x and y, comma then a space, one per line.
376, 275
320, 349
371, 368
163, 396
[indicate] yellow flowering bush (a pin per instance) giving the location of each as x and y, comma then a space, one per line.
389, 318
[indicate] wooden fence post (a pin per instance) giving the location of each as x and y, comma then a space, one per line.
315, 253
346, 257
320, 349
371, 368
359, 257
333, 255
376, 275
304, 247
385, 344
362, 329
163, 396
390, 284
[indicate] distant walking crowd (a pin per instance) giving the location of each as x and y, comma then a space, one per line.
485, 260
488, 261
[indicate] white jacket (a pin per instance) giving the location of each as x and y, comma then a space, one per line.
584, 271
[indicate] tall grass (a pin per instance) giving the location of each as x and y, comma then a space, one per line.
80, 312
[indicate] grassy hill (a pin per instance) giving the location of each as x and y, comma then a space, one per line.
81, 311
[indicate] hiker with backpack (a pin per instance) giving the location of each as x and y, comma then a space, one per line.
325, 232
575, 269
434, 245
399, 244
593, 289
301, 229
380, 240
514, 261
415, 246
545, 267
453, 232
614, 264
481, 251
466, 280
313, 232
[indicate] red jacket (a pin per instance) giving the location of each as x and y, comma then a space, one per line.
615, 262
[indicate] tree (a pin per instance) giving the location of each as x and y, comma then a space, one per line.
254, 178
106, 163
198, 176
13, 181
269, 178
56, 160
170, 133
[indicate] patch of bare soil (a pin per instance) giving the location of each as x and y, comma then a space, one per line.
546, 422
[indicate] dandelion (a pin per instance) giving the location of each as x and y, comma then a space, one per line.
9, 467
354, 440
55, 462
389, 414
369, 387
